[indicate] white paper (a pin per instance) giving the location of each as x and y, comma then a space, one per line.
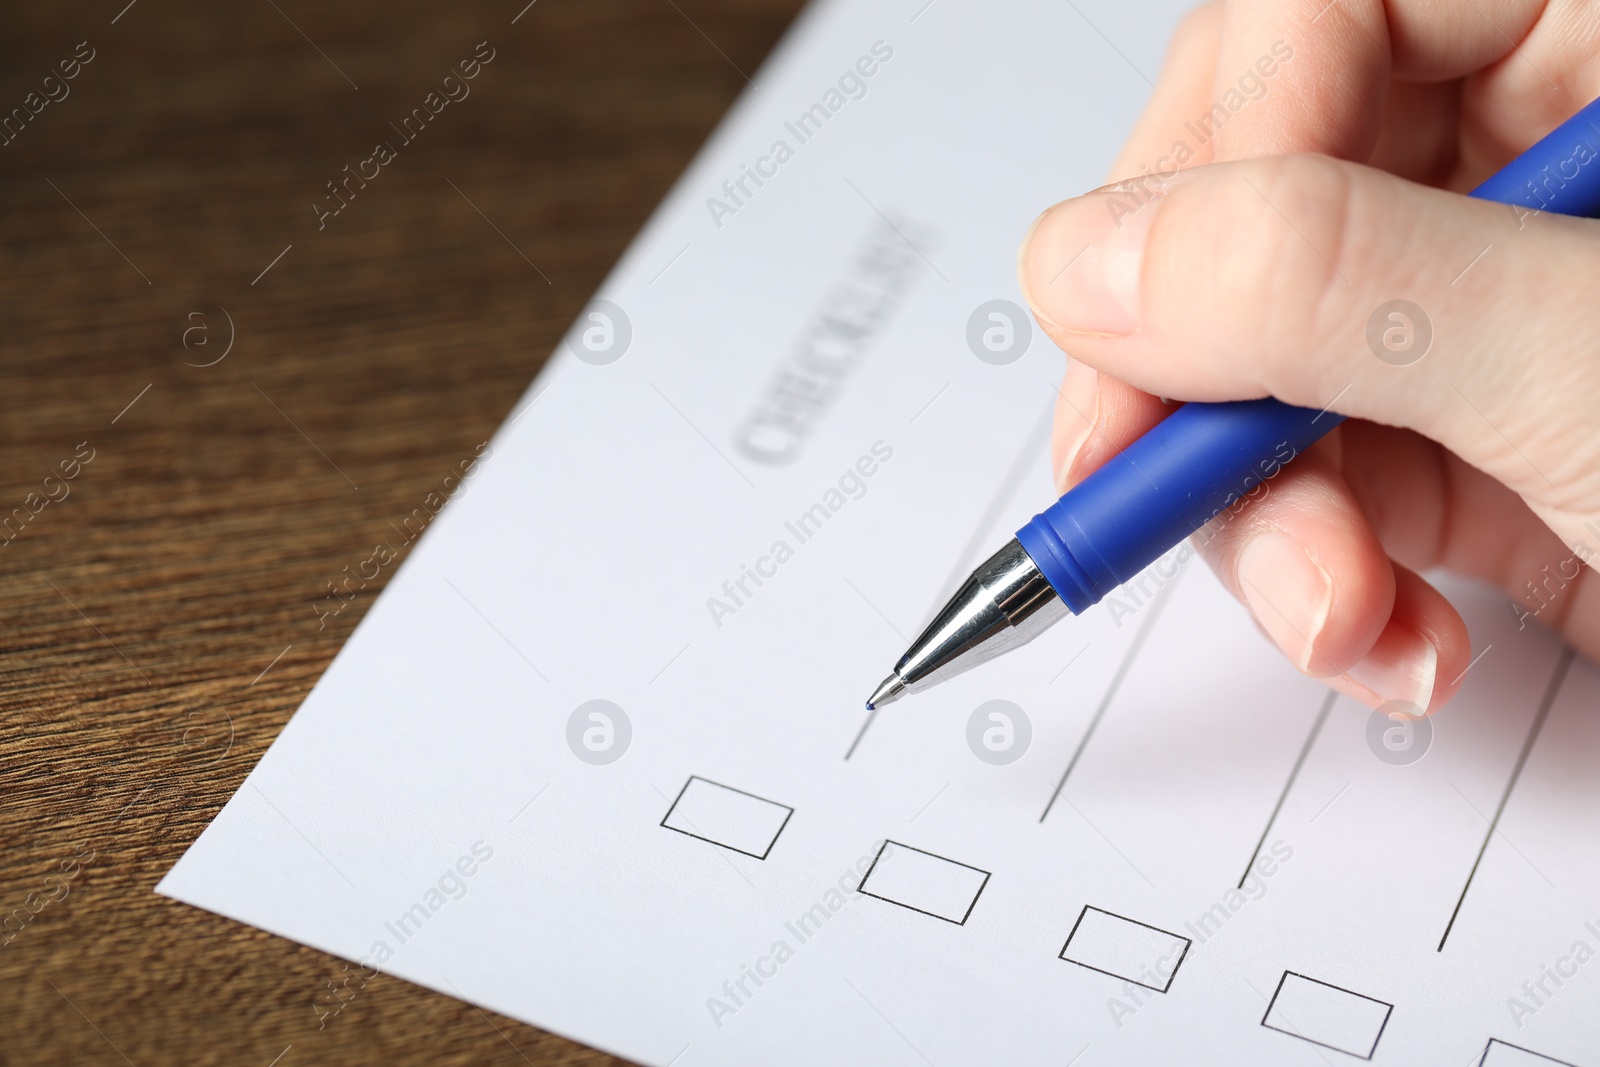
442, 807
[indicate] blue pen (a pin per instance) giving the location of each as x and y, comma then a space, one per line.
1196, 463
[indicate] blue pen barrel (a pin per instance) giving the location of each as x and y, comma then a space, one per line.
1558, 174
1204, 457
1195, 464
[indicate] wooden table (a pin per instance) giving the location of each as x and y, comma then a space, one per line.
173, 507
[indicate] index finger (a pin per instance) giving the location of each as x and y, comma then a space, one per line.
1328, 95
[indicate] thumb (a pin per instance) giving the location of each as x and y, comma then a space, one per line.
1331, 285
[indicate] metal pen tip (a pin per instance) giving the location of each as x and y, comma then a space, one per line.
887, 693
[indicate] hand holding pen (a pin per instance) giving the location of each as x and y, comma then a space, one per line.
1346, 275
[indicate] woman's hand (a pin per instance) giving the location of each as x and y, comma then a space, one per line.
1474, 442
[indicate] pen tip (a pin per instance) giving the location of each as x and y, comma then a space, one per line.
890, 690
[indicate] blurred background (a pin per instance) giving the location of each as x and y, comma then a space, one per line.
215, 398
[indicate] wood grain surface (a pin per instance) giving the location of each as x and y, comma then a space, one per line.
168, 528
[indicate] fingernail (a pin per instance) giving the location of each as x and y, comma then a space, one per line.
1290, 595
1080, 262
1402, 666
1079, 412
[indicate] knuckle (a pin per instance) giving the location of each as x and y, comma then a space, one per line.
1260, 264
1313, 199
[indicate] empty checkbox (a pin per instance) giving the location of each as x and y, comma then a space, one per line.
1125, 948
924, 882
1327, 1015
1499, 1053
731, 818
